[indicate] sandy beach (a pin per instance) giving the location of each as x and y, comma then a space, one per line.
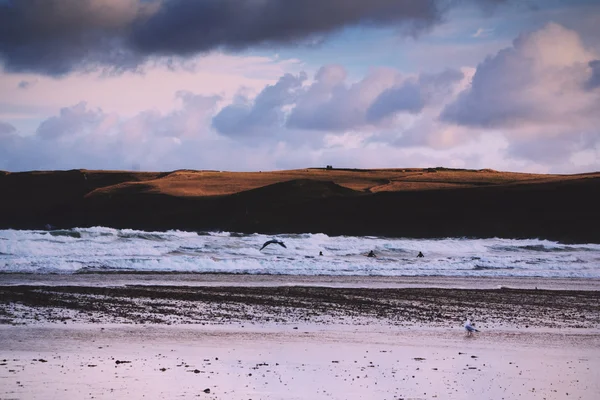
236, 341
294, 362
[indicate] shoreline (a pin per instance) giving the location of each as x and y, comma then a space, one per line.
117, 279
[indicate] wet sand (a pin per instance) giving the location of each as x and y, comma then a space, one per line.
281, 362
353, 340
286, 304
208, 279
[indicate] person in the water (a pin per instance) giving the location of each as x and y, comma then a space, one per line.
371, 254
320, 253
420, 255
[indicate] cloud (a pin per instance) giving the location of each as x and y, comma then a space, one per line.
71, 121
531, 107
303, 113
55, 37
83, 137
482, 32
131, 93
542, 88
412, 95
425, 131
260, 116
539, 79
6, 129
406, 97
26, 84
556, 151
594, 81
332, 104
78, 122
251, 132
191, 119
241, 24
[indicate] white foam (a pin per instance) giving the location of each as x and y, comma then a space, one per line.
131, 250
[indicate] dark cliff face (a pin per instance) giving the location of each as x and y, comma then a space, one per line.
30, 200
559, 210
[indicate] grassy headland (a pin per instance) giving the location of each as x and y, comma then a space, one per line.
410, 202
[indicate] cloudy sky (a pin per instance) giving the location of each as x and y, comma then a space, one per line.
277, 84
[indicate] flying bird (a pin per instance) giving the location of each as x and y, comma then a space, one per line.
272, 241
470, 328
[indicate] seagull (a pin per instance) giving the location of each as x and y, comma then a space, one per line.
470, 328
279, 242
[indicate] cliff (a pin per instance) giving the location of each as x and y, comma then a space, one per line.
424, 203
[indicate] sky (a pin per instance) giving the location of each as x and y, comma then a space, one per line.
247, 85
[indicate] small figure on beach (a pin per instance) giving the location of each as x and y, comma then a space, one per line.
470, 327
320, 253
273, 241
420, 255
371, 254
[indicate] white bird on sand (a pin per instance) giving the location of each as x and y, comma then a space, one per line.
470, 328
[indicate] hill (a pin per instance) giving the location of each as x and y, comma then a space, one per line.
434, 202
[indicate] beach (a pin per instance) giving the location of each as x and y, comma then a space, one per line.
281, 362
110, 313
240, 337
305, 200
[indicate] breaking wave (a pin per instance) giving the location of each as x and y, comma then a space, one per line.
99, 249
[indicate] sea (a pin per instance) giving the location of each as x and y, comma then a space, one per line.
107, 250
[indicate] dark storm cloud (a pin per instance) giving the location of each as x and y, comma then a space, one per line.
183, 26
55, 37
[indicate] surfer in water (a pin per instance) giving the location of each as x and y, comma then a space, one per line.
273, 241
371, 254
420, 255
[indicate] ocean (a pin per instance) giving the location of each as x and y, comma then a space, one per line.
100, 249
